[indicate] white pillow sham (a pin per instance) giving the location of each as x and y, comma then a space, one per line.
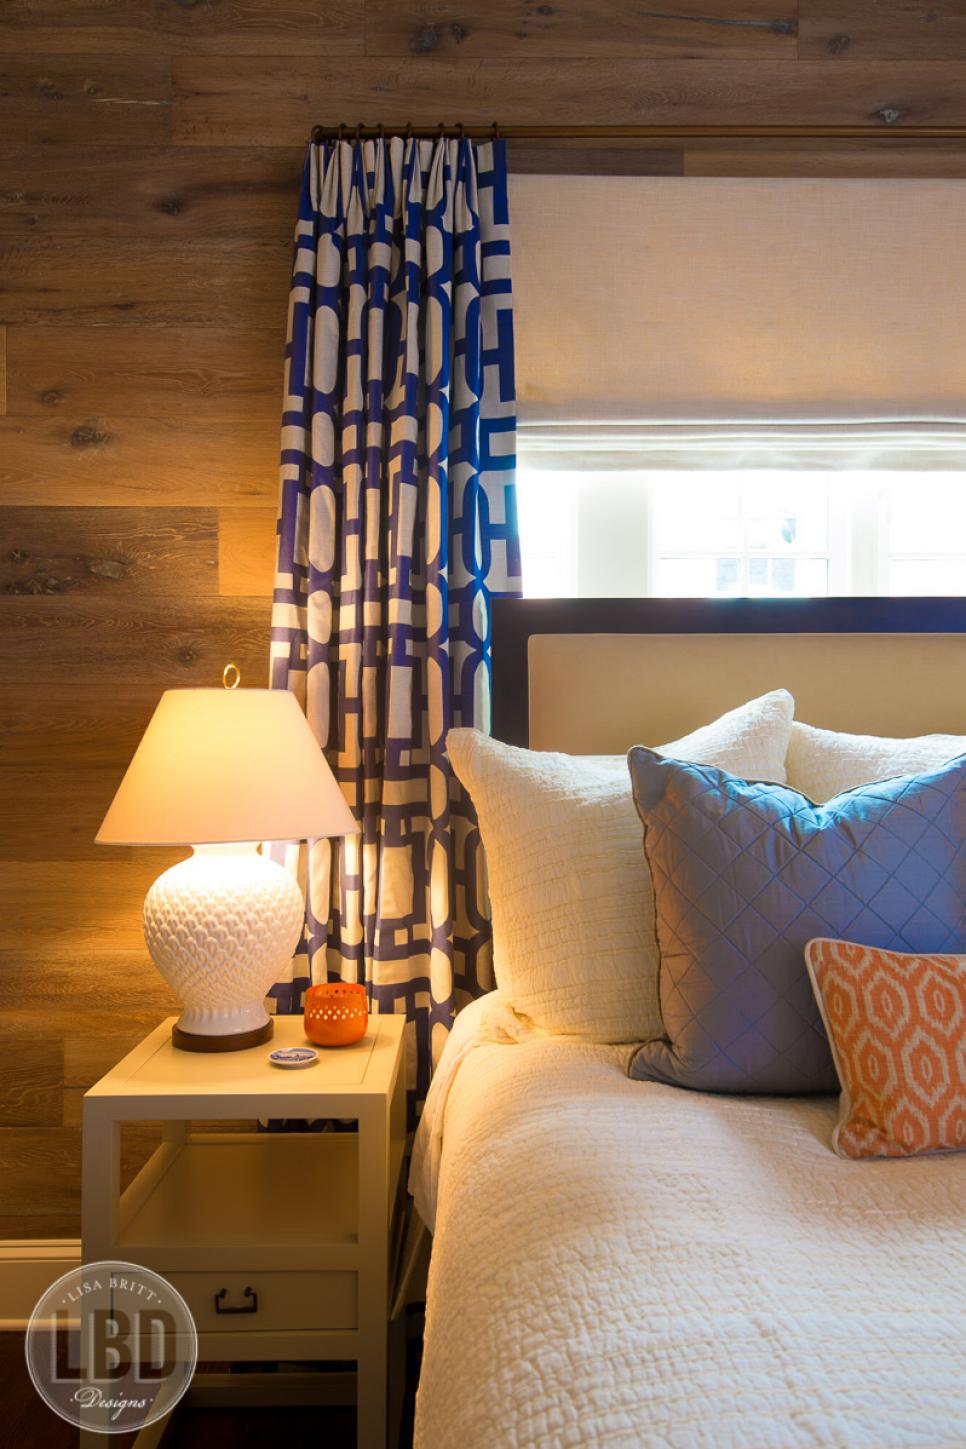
574, 941
823, 763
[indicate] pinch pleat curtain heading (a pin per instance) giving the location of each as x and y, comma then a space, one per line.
397, 526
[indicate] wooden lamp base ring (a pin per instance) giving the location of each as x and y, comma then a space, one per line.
239, 1041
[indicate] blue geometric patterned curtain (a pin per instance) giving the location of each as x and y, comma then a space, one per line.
397, 526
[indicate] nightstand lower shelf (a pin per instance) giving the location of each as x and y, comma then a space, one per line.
284, 1200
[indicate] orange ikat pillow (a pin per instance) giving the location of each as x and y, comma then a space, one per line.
897, 1028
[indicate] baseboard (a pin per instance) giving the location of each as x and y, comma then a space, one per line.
27, 1267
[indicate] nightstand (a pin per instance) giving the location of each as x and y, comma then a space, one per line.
283, 1244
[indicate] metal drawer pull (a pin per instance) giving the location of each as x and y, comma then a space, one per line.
249, 1307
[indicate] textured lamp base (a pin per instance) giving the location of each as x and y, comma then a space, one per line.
239, 1041
221, 928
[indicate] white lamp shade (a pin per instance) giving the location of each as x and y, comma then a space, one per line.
222, 765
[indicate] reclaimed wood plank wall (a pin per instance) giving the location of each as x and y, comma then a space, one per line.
149, 162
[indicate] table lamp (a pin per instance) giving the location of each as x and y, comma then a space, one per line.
221, 770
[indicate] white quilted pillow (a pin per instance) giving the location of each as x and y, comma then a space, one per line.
573, 915
823, 763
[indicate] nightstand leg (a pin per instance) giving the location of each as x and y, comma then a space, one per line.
100, 1185
373, 1365
100, 1196
397, 1376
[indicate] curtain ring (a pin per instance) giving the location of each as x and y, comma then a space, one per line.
496, 130
380, 131
359, 131
409, 130
342, 130
461, 130
442, 130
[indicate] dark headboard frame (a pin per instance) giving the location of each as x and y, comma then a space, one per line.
515, 620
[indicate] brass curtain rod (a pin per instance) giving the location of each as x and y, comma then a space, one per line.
885, 131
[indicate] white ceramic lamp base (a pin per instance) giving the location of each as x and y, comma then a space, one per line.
221, 928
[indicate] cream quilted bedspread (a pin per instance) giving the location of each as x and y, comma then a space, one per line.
626, 1263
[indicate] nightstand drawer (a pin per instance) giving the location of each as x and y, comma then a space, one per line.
259, 1301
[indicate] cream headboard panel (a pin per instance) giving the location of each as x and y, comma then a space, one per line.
595, 676
602, 693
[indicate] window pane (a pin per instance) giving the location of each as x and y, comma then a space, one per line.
544, 579
761, 533
546, 504
722, 577
798, 577
927, 514
927, 576
787, 511
698, 577
725, 534
698, 514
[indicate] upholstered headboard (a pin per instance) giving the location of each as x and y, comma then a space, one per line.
595, 676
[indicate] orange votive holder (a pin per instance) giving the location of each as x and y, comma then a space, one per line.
336, 1013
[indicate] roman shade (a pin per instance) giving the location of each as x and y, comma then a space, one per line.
651, 312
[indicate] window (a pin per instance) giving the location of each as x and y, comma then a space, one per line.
756, 532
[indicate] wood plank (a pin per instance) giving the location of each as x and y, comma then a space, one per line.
73, 723
34, 796
46, 1180
46, 1183
3, 371
247, 542
139, 27
97, 282
74, 100
243, 102
78, 906
858, 31
158, 372
818, 158
83, 1051
72, 1107
148, 191
82, 462
575, 158
31, 1077
39, 1225
66, 987
586, 28
90, 1053
75, 1057
228, 192
185, 642
109, 552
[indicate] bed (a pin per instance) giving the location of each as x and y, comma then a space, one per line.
626, 1263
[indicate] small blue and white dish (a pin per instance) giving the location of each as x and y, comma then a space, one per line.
293, 1057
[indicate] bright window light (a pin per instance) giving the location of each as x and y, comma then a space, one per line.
765, 533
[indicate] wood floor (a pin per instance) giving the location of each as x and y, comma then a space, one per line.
27, 1423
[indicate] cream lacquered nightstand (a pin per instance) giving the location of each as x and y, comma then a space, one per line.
283, 1244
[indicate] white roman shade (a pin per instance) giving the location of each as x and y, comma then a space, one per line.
653, 312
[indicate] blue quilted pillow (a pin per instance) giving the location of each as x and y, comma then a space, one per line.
745, 874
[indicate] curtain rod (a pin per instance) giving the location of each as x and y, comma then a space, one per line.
885, 131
